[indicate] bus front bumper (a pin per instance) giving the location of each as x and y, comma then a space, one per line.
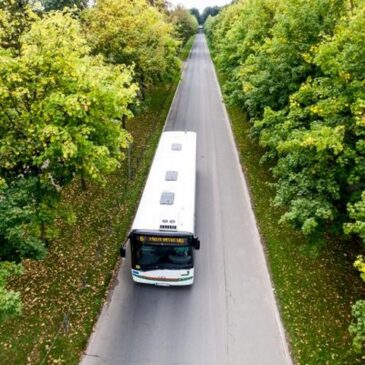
164, 277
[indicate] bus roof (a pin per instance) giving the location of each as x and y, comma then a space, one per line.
168, 200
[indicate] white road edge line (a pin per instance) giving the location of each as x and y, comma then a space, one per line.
285, 343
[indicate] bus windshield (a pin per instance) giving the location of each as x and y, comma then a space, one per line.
155, 257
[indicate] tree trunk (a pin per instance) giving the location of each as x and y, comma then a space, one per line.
83, 183
142, 88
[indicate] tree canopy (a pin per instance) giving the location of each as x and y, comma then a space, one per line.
135, 34
61, 4
209, 11
185, 24
195, 12
16, 17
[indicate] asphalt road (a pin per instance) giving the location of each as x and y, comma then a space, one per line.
229, 316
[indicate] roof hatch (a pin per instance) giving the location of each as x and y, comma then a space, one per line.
171, 176
167, 198
176, 146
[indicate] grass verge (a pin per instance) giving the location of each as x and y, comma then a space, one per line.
185, 51
62, 295
315, 287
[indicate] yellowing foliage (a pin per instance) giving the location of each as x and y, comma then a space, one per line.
136, 34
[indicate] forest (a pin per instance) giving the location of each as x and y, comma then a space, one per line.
296, 69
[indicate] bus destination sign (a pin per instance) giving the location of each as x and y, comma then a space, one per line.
162, 240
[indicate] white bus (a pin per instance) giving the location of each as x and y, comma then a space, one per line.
162, 238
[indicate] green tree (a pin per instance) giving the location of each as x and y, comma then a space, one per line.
238, 33
357, 215
136, 34
320, 141
16, 17
21, 219
195, 12
61, 117
278, 66
10, 303
161, 5
264, 48
185, 24
61, 4
357, 327
213, 11
61, 108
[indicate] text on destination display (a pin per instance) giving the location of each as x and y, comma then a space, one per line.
163, 240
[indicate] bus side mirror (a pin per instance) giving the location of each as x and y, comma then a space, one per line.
197, 243
122, 251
